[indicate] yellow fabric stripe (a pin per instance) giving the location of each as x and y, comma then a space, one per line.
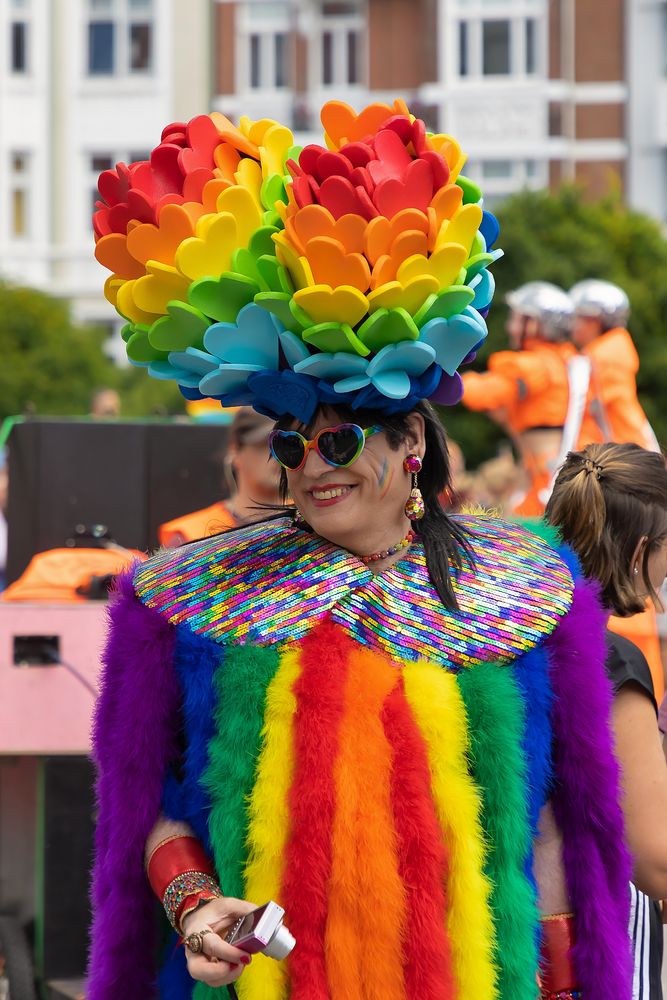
268, 828
439, 712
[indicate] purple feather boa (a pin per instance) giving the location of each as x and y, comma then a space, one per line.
133, 740
586, 800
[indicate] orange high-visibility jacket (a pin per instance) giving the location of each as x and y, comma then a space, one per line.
613, 412
198, 524
531, 385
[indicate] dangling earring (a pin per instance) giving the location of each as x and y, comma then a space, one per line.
298, 517
414, 506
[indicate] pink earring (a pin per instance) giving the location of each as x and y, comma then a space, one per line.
414, 507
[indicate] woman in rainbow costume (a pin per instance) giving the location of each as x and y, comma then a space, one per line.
363, 708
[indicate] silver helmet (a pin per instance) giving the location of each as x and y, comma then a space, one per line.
602, 300
546, 303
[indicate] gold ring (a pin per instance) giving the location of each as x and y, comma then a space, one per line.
195, 941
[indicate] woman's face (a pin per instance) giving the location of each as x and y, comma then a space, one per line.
359, 507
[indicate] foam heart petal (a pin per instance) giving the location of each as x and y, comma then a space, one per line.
293, 348
261, 241
140, 350
210, 254
222, 298
474, 265
165, 371
453, 339
343, 124
333, 337
158, 287
381, 233
193, 360
331, 265
272, 191
112, 252
183, 327
298, 266
448, 303
483, 285
253, 339
315, 220
147, 242
279, 304
410, 357
128, 308
471, 192
409, 296
444, 265
274, 276
227, 379
240, 203
446, 203
414, 191
393, 158
462, 229
276, 142
344, 304
387, 326
490, 229
332, 366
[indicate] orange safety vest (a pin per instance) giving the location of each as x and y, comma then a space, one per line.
198, 524
527, 389
56, 575
613, 411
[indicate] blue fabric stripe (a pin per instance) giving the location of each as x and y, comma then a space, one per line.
197, 660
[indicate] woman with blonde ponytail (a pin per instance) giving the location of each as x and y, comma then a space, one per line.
610, 504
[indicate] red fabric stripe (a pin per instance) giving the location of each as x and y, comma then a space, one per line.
423, 860
319, 692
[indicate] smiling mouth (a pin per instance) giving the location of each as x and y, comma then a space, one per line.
329, 493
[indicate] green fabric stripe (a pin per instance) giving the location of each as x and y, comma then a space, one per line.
240, 685
495, 711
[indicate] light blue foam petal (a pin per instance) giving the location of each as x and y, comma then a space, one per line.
452, 340
394, 384
332, 366
195, 361
294, 348
352, 384
484, 286
227, 378
253, 339
409, 356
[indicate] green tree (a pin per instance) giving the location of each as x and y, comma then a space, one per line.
51, 366
563, 237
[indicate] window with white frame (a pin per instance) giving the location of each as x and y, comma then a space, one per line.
339, 54
19, 37
489, 45
120, 35
19, 195
265, 47
499, 177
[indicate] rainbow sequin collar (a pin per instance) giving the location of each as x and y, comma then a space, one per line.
272, 582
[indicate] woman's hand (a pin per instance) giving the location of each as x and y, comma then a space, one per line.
218, 963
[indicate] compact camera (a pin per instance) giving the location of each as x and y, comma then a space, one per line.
262, 930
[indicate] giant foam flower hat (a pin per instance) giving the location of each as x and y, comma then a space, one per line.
258, 273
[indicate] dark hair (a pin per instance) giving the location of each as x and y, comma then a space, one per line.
606, 498
445, 543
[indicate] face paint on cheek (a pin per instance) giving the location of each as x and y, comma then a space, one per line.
385, 477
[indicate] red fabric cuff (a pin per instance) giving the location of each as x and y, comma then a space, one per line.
173, 858
557, 972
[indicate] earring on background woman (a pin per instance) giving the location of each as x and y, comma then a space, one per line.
414, 506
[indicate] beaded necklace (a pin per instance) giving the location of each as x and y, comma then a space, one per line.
403, 544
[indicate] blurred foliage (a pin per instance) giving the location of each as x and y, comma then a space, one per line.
51, 366
563, 237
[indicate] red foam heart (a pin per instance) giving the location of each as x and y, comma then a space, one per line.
331, 164
101, 225
402, 126
338, 195
162, 174
302, 190
113, 185
293, 168
393, 158
358, 153
174, 128
361, 178
309, 156
195, 182
141, 207
203, 137
366, 206
438, 165
119, 217
415, 191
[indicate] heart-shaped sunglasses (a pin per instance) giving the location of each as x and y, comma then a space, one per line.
339, 446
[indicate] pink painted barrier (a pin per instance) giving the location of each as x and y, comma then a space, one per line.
47, 708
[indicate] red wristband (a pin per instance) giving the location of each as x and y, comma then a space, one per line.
174, 857
557, 972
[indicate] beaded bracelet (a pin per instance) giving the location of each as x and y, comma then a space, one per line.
188, 884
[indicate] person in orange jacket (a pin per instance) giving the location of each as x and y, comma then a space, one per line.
613, 411
254, 480
526, 389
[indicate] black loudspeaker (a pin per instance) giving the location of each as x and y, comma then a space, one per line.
129, 476
64, 860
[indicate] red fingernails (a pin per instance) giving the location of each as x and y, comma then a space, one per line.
245, 960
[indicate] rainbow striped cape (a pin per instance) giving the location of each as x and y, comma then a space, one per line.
345, 745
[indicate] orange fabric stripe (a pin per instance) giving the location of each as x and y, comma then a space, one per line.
367, 907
